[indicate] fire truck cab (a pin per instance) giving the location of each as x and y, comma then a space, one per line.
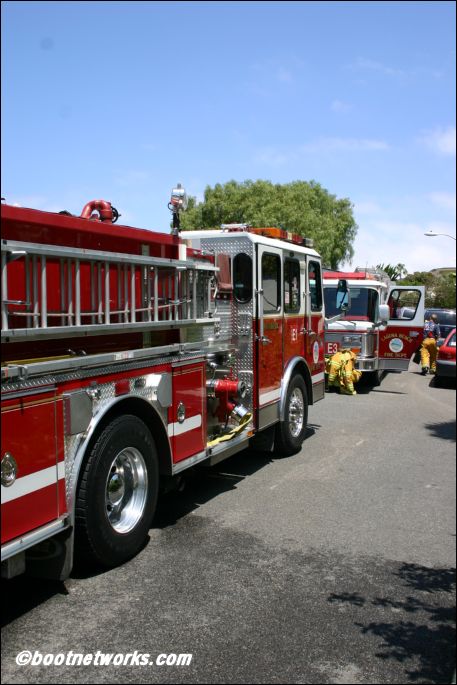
382, 324
130, 356
272, 308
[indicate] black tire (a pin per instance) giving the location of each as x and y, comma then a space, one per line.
117, 493
290, 433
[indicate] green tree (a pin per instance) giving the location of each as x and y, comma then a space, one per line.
394, 272
303, 207
445, 291
439, 288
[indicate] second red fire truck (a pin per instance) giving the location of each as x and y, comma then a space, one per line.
130, 356
382, 324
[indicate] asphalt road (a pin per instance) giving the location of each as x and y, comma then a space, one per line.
335, 565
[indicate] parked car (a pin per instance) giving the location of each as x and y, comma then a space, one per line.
445, 362
406, 313
446, 320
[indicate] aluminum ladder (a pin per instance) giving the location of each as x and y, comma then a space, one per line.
51, 291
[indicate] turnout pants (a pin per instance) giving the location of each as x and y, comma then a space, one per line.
428, 353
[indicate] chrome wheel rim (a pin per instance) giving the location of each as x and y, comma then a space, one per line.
126, 490
296, 412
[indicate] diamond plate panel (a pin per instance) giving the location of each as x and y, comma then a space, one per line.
236, 318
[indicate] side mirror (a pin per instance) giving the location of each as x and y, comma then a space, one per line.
384, 314
343, 296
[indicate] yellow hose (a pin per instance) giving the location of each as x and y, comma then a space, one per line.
228, 436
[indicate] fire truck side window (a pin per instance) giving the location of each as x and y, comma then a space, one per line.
271, 283
291, 286
403, 303
315, 286
242, 278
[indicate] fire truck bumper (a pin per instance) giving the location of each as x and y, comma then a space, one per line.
366, 364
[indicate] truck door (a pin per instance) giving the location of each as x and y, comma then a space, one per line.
314, 329
399, 340
295, 324
269, 331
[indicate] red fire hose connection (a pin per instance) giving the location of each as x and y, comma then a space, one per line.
227, 391
106, 212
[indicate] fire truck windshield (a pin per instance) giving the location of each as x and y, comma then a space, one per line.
364, 304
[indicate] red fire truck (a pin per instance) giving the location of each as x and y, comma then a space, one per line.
130, 356
382, 323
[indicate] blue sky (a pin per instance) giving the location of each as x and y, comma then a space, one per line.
122, 100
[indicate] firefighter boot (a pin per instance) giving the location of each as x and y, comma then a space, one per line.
345, 391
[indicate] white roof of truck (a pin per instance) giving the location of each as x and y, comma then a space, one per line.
196, 236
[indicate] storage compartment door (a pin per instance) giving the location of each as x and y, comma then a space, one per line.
187, 415
29, 444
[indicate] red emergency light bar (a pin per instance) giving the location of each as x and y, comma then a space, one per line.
353, 275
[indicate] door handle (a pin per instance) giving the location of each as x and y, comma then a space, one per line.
263, 339
413, 334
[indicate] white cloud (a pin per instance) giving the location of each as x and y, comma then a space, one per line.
132, 178
440, 140
393, 233
344, 144
271, 72
31, 201
372, 65
364, 64
340, 106
277, 155
398, 243
369, 65
284, 75
366, 207
443, 200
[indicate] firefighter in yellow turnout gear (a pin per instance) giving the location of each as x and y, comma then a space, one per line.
429, 347
342, 373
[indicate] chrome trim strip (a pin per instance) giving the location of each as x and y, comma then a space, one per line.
31, 539
187, 463
268, 415
31, 392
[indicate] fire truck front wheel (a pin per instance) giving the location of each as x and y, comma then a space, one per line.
117, 493
290, 432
